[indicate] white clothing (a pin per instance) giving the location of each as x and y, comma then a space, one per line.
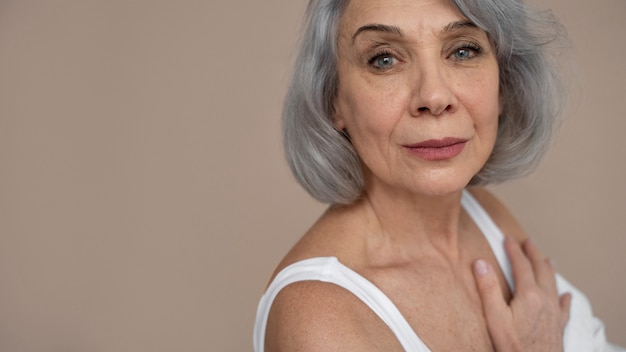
583, 332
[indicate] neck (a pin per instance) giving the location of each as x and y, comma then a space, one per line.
409, 226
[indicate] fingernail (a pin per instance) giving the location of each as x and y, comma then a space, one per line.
480, 267
551, 262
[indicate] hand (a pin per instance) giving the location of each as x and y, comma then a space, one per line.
536, 316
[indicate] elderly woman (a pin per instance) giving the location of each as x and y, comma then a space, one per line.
395, 109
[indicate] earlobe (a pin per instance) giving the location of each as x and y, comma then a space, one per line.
338, 124
341, 129
337, 120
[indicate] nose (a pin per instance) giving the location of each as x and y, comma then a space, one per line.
433, 93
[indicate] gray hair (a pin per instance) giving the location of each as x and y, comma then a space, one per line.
324, 161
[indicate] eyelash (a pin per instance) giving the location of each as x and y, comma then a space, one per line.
477, 50
378, 55
474, 48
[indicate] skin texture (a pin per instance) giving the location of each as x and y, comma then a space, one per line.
433, 87
412, 71
518, 326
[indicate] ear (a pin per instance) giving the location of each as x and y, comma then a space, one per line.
338, 123
336, 117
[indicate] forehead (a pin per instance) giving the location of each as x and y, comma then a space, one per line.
408, 15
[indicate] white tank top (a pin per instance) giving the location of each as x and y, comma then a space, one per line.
583, 332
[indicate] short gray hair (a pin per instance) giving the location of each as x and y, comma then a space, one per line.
324, 161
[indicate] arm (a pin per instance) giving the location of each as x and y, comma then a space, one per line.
318, 316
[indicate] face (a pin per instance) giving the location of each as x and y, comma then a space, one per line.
418, 94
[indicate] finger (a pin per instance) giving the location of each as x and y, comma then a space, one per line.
495, 308
542, 268
565, 302
523, 273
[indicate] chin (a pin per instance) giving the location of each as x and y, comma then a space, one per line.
442, 184
427, 182
441, 190
423, 188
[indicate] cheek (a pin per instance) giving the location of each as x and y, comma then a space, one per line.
487, 124
370, 117
484, 101
368, 106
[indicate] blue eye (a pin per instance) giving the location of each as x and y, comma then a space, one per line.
382, 61
467, 51
463, 54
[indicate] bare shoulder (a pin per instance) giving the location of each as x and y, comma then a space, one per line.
328, 237
499, 213
319, 316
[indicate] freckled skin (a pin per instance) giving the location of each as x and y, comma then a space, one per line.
409, 71
381, 108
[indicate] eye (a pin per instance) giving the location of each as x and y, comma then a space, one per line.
466, 51
382, 61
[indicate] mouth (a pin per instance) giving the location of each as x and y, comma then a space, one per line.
438, 149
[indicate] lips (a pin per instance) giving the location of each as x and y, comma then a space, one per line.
438, 143
437, 149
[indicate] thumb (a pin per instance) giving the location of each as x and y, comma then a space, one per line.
495, 308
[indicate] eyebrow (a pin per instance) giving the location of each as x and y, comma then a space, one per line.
454, 26
377, 28
451, 27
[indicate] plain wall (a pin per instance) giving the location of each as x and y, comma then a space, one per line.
144, 200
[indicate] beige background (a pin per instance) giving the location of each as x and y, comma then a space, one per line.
143, 195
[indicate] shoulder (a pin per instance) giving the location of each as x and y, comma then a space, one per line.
319, 316
332, 235
499, 213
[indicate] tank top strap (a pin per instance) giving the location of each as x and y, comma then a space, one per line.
329, 269
492, 233
583, 329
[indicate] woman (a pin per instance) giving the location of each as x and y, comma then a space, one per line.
395, 108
